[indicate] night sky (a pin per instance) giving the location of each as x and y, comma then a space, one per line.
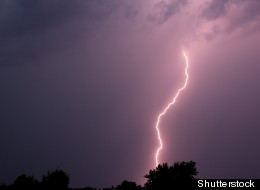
82, 84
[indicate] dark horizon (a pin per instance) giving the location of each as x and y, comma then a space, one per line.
82, 84
166, 177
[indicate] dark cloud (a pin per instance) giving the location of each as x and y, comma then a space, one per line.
73, 81
215, 9
29, 17
31, 29
218, 9
229, 16
165, 11
249, 13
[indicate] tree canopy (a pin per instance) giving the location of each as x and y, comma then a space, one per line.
168, 177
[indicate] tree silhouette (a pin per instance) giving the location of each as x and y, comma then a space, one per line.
184, 170
179, 175
112, 188
57, 179
3, 186
128, 185
25, 182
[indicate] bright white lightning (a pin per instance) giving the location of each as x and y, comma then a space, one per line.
168, 106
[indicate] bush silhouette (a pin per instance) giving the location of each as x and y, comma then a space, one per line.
128, 185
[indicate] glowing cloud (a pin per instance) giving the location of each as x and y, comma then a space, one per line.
168, 106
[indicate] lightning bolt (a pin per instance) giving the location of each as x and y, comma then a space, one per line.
168, 106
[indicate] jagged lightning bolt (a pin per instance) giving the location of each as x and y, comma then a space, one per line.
168, 106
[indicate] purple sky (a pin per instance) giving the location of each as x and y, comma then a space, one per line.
82, 83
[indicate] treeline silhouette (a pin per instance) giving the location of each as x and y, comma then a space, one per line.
180, 175
57, 179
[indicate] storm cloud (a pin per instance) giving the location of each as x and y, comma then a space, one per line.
82, 83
